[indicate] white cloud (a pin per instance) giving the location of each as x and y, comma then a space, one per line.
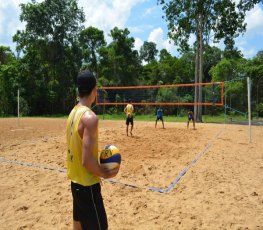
157, 36
248, 43
192, 39
149, 11
138, 43
140, 28
9, 20
106, 14
254, 20
135, 29
1, 23
103, 14
248, 52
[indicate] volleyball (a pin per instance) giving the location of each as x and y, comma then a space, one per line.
110, 157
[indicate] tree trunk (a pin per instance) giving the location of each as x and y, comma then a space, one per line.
200, 75
196, 69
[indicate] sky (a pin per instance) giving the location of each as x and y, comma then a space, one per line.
143, 18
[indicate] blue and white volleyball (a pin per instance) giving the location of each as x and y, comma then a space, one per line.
110, 157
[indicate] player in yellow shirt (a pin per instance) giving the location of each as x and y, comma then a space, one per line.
83, 168
129, 110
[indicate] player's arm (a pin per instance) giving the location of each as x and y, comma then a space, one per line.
90, 125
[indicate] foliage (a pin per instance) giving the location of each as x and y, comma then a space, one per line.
148, 51
51, 56
225, 20
91, 40
260, 109
54, 47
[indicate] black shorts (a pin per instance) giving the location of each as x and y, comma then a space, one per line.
129, 120
159, 118
190, 118
88, 207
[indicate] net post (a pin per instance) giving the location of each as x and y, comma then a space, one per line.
249, 107
18, 115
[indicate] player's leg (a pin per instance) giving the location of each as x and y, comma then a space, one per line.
76, 225
162, 123
156, 122
131, 125
127, 125
88, 207
76, 218
188, 123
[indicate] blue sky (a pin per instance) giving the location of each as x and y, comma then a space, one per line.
143, 18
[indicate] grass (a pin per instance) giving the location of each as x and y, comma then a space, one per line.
206, 118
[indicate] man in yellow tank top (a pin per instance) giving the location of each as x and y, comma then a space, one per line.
129, 116
83, 168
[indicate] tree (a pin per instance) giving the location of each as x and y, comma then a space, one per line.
92, 39
224, 19
121, 63
51, 54
212, 56
9, 81
254, 69
148, 51
167, 67
6, 55
230, 70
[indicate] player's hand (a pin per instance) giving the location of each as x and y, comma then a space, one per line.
111, 173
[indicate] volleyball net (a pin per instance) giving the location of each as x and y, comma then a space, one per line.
162, 95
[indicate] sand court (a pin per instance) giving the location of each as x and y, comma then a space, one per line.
222, 190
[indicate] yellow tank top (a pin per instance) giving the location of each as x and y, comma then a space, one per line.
75, 171
129, 109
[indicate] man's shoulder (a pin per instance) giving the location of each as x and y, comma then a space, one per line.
89, 116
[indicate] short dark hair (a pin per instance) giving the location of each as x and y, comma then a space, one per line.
86, 82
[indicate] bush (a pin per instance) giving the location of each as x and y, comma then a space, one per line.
260, 109
24, 109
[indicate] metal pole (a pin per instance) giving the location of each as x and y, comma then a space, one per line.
249, 108
225, 106
18, 108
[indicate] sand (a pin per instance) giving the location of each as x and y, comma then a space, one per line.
223, 189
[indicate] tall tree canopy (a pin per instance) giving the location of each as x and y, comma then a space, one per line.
148, 51
206, 19
120, 60
92, 39
51, 54
54, 47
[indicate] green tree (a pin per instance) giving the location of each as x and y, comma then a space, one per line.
51, 54
232, 71
185, 67
92, 39
120, 62
8, 82
212, 56
254, 69
167, 67
224, 19
148, 51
